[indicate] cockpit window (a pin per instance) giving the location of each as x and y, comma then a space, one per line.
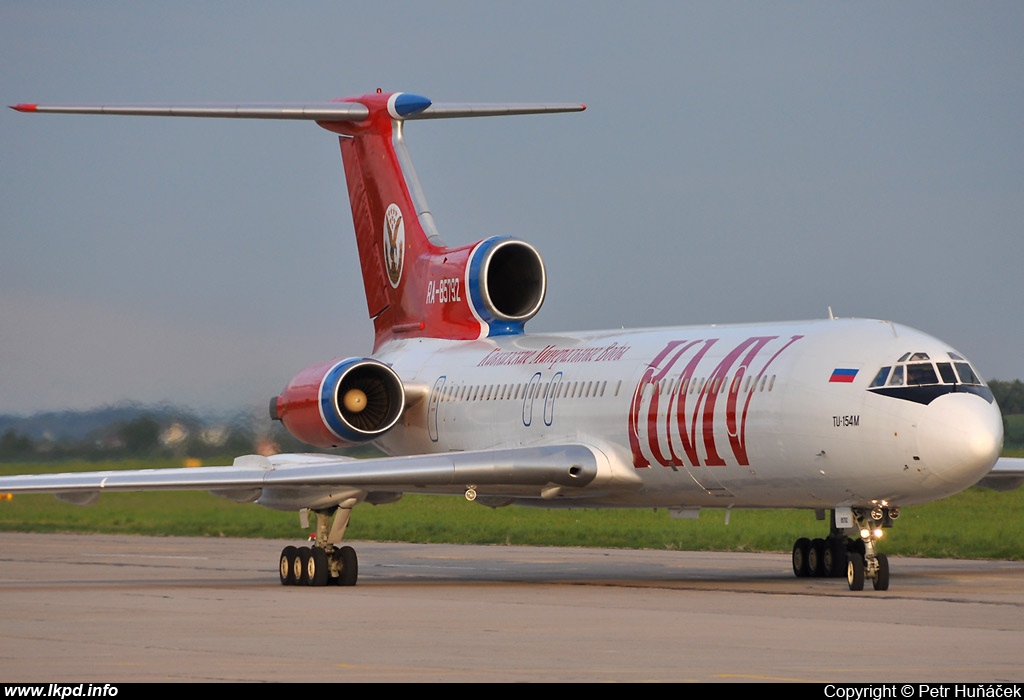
880, 378
921, 373
946, 371
915, 377
967, 375
917, 369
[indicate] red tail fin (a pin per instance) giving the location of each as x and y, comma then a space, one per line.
415, 286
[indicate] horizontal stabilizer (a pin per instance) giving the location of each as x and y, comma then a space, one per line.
452, 110
313, 111
328, 111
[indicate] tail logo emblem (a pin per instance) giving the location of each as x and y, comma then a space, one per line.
394, 243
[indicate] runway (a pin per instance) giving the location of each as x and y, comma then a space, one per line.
127, 609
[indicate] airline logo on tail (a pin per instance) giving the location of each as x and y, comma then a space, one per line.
394, 244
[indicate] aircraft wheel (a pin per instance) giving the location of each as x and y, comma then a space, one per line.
317, 572
800, 551
301, 562
286, 566
855, 571
881, 580
816, 558
349, 566
834, 558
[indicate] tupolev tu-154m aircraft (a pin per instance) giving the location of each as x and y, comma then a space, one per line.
854, 418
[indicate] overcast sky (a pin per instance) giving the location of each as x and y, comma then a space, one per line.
737, 162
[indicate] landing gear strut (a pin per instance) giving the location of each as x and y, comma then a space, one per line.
322, 564
870, 564
853, 556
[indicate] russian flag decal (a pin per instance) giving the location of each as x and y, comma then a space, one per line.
843, 376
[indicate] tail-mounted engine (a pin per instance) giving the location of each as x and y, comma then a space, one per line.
334, 404
506, 283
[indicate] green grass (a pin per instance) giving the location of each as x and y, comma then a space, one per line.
975, 524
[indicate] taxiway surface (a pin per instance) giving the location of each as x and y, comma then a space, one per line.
122, 609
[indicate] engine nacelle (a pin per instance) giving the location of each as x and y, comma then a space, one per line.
340, 403
507, 281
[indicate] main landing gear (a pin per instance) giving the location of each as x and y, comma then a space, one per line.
853, 556
323, 564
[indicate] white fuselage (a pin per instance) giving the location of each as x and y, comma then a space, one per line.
773, 415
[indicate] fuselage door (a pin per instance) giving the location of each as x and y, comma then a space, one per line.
435, 399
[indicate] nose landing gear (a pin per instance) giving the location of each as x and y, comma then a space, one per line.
853, 556
870, 564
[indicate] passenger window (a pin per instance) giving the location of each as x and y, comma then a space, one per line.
880, 378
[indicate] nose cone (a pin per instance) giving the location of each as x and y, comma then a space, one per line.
960, 437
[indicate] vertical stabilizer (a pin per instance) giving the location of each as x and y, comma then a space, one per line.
415, 286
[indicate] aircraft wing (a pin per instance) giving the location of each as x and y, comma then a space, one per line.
1007, 475
523, 471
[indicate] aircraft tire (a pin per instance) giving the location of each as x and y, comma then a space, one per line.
834, 558
881, 580
300, 562
855, 571
816, 558
800, 552
317, 571
349, 566
285, 566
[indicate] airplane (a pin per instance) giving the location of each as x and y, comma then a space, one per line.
854, 418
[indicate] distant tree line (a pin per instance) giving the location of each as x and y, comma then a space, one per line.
150, 436
1009, 395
